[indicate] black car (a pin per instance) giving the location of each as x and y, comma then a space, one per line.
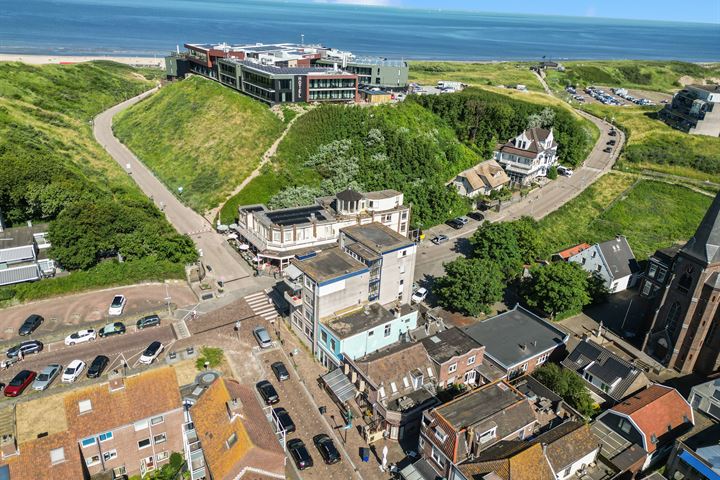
30, 324
607, 149
149, 321
116, 328
300, 454
612, 133
476, 216
97, 366
284, 417
30, 346
327, 449
455, 223
280, 371
611, 142
268, 392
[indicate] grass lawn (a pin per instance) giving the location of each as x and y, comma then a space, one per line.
497, 73
652, 145
645, 75
651, 214
199, 135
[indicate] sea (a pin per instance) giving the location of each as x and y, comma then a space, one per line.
155, 27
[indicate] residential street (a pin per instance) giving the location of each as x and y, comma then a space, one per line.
226, 265
538, 204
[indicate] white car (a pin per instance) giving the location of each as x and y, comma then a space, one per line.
73, 371
565, 171
419, 295
81, 336
151, 353
117, 306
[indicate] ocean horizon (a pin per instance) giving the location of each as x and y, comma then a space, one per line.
141, 28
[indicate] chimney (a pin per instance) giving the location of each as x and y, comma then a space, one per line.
234, 406
116, 380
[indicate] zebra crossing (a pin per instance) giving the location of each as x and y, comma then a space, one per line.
262, 305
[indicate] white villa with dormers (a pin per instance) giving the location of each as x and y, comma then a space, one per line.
528, 156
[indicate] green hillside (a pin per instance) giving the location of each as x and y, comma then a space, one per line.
476, 74
199, 135
52, 169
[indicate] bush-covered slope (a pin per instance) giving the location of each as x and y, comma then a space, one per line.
199, 135
51, 169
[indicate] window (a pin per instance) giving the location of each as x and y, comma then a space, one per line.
57, 455
471, 360
625, 426
439, 434
159, 438
652, 270
85, 406
371, 333
452, 368
402, 280
542, 358
406, 382
381, 393
323, 336
162, 456
144, 443
333, 344
121, 470
661, 275
92, 460
436, 456
110, 455
86, 442
646, 288
105, 436
157, 420
141, 425
653, 439
232, 440
393, 387
421, 443
387, 330
487, 436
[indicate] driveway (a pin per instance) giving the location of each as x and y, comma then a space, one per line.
92, 307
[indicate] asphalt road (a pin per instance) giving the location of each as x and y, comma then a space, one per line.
538, 204
215, 250
128, 347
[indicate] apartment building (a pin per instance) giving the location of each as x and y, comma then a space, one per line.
335, 287
695, 109
456, 358
287, 72
277, 236
529, 155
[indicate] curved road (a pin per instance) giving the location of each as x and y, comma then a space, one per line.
225, 263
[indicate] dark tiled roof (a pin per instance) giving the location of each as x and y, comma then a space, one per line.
524, 464
447, 344
349, 195
606, 366
567, 443
535, 135
619, 257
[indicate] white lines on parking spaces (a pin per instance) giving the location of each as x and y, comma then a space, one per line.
262, 305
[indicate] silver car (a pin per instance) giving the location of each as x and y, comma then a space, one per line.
46, 376
262, 337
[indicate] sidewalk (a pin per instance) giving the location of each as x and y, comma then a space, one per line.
309, 371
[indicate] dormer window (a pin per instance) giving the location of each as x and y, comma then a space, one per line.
439, 434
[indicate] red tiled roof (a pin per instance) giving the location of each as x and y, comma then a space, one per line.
654, 410
569, 252
33, 463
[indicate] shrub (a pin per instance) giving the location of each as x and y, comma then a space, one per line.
212, 355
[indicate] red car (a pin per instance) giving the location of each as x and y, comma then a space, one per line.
19, 383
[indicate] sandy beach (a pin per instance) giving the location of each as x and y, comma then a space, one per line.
67, 59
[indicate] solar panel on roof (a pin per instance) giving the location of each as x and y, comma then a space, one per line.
297, 215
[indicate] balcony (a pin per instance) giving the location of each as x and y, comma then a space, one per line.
294, 300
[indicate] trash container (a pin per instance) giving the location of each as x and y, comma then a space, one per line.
365, 454
323, 409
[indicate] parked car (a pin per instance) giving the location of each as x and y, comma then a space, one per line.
565, 171
30, 324
285, 421
117, 305
148, 321
476, 216
419, 295
327, 449
97, 366
268, 392
612, 133
151, 353
81, 336
73, 371
46, 376
280, 371
27, 347
300, 454
117, 328
611, 142
607, 149
463, 220
440, 239
263, 337
455, 223
19, 383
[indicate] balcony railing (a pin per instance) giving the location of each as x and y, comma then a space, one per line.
294, 300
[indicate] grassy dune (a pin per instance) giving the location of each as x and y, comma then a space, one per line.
477, 74
199, 135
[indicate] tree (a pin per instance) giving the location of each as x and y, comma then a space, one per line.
568, 385
552, 173
470, 286
597, 289
294, 197
498, 243
558, 289
529, 242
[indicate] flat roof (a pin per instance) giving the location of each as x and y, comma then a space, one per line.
514, 337
382, 194
478, 405
378, 61
297, 215
273, 69
377, 237
20, 236
329, 264
360, 320
449, 343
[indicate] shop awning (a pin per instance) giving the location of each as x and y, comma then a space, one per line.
340, 385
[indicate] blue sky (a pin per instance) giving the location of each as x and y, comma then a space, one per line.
706, 11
